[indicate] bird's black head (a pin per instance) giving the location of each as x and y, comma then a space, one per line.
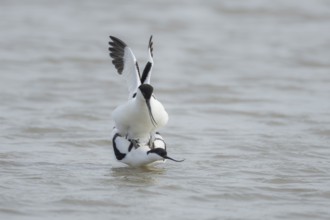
162, 153
146, 90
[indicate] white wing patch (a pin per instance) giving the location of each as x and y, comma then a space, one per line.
125, 63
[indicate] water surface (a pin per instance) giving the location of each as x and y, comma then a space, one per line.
246, 85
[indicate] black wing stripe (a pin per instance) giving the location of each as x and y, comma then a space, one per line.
138, 69
118, 154
146, 72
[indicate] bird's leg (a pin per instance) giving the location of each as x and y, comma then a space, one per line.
135, 143
150, 143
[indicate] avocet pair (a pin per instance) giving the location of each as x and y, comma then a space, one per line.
135, 139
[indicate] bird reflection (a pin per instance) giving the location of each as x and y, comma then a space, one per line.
137, 175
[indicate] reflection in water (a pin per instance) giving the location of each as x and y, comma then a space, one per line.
137, 175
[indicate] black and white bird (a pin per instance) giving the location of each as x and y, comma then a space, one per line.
135, 140
142, 114
127, 153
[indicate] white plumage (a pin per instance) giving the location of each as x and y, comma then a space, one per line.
134, 121
135, 140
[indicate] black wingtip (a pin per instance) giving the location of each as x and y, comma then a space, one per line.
150, 46
116, 49
118, 41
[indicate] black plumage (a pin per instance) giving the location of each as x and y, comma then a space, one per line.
151, 46
117, 50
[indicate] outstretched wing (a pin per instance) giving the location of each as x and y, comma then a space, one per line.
146, 75
125, 62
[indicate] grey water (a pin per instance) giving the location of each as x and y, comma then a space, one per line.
246, 85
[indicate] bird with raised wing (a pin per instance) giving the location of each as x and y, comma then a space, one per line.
142, 114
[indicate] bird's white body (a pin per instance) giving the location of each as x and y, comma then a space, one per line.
133, 121
138, 157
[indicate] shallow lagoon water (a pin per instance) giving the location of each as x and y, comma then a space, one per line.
246, 85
